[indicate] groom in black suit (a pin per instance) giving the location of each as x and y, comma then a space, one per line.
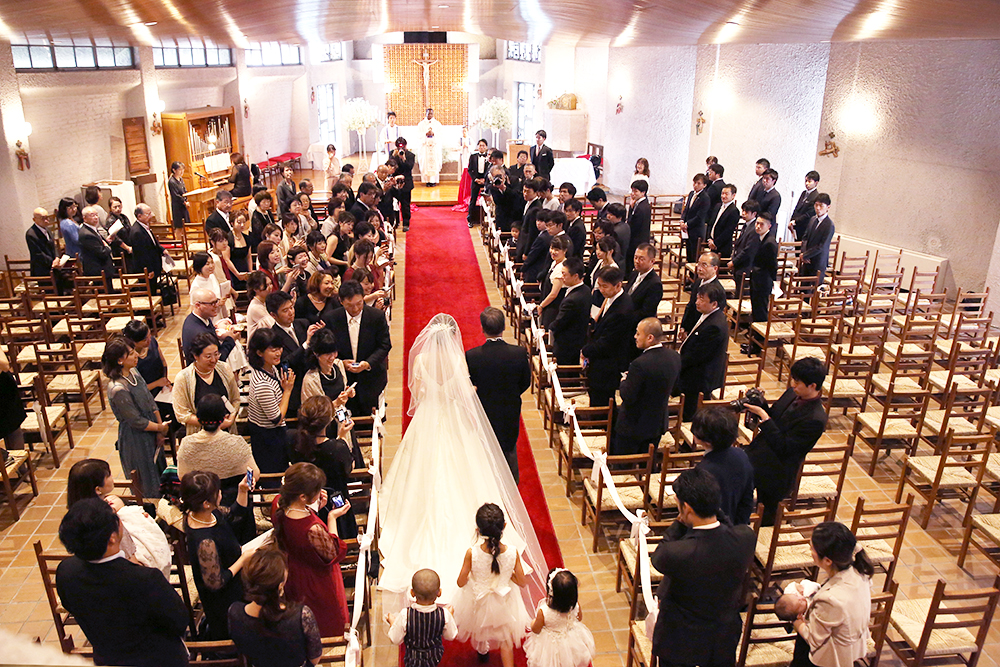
501, 373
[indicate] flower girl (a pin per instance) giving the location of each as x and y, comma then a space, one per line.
559, 638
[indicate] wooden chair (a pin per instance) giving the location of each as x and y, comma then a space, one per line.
64, 376
739, 312
334, 651
18, 466
898, 425
115, 310
595, 426
821, 477
783, 551
218, 653
628, 565
661, 503
963, 412
880, 530
780, 326
47, 564
766, 640
949, 627
742, 373
640, 646
911, 365
957, 472
630, 474
917, 331
966, 366
850, 380
882, 604
88, 336
42, 421
145, 302
981, 531
811, 338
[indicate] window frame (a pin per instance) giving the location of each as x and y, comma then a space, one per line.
61, 52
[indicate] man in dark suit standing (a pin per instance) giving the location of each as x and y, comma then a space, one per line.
516, 172
645, 391
765, 268
569, 328
479, 165
707, 271
404, 167
745, 246
363, 343
695, 214
644, 285
638, 220
816, 238
704, 560
803, 211
770, 199
537, 259
541, 155
703, 352
723, 220
501, 372
41, 248
576, 229
204, 307
365, 201
95, 253
219, 219
147, 253
609, 350
504, 198
789, 429
714, 189
129, 613
757, 191
294, 336
529, 221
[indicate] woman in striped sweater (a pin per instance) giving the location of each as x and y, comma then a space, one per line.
270, 390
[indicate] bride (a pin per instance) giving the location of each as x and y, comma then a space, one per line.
448, 464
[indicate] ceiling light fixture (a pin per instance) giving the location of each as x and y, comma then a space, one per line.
443, 6
149, 23
435, 27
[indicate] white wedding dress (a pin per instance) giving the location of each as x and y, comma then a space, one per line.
448, 465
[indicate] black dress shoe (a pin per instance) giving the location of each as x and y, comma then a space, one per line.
484, 657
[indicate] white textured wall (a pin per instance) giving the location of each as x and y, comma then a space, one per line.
270, 96
591, 88
760, 100
657, 85
927, 175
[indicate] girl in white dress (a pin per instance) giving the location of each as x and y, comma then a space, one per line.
559, 638
488, 609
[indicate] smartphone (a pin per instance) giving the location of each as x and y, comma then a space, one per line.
353, 385
284, 368
342, 415
250, 477
337, 500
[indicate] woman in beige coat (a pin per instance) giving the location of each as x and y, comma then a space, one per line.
833, 631
206, 375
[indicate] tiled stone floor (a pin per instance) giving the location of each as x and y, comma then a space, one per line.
927, 555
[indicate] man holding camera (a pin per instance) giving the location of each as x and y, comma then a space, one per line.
789, 429
504, 198
404, 179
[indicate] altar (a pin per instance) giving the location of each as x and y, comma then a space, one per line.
576, 170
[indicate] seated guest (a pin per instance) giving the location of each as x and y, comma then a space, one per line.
239, 176
142, 541
204, 376
325, 375
269, 630
363, 254
599, 200
203, 277
707, 271
298, 260
644, 285
569, 327
377, 298
334, 457
258, 287
313, 547
318, 259
365, 351
261, 218
609, 349
703, 352
294, 336
789, 429
320, 298
622, 232
270, 392
645, 391
715, 428
215, 539
215, 450
270, 262
41, 249
204, 310
219, 218
552, 284
129, 613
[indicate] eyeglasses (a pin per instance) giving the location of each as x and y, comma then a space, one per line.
208, 303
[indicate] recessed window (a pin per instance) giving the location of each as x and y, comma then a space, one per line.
72, 55
272, 54
332, 52
525, 51
191, 53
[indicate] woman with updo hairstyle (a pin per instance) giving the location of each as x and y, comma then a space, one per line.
269, 630
298, 260
833, 631
215, 538
552, 283
319, 299
333, 456
140, 428
213, 449
239, 248
362, 254
258, 287
312, 545
225, 269
239, 176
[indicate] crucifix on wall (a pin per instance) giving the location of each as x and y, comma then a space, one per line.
426, 65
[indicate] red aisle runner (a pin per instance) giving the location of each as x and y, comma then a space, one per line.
442, 276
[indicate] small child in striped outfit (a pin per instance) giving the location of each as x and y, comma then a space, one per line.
424, 626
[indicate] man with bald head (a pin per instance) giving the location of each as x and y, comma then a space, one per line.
95, 253
204, 310
147, 253
41, 248
645, 390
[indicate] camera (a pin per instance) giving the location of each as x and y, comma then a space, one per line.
342, 415
753, 396
497, 181
399, 179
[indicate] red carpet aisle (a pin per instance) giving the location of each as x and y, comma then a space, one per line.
442, 276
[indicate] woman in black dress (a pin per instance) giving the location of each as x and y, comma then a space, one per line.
268, 630
239, 176
152, 365
261, 218
178, 204
12, 412
310, 444
239, 249
319, 300
215, 539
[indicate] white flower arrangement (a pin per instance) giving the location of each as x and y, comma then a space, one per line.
360, 114
496, 113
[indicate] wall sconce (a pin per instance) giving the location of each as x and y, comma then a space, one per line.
246, 108
830, 146
23, 159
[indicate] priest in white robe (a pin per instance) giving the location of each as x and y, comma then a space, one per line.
431, 148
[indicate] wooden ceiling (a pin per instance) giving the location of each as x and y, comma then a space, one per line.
566, 22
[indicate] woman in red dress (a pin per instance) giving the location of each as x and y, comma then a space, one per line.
313, 547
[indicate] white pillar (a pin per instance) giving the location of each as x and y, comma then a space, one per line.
18, 190
153, 194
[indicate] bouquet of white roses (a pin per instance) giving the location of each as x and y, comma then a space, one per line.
496, 113
360, 114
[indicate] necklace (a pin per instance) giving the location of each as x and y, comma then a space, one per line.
204, 376
128, 378
192, 517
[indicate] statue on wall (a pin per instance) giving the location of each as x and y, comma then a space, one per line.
426, 65
566, 102
830, 146
699, 123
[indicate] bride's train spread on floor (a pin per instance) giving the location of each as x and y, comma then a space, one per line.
448, 465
